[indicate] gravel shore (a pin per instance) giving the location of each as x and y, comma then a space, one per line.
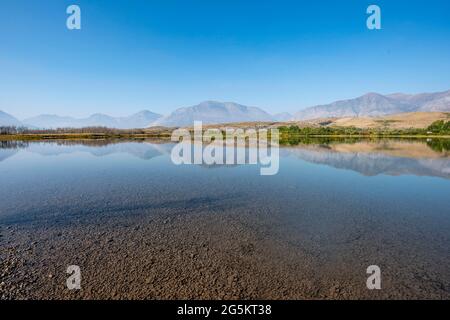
179, 255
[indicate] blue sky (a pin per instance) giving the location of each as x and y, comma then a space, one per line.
160, 55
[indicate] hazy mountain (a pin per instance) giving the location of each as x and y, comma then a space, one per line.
374, 104
212, 112
139, 120
284, 116
426, 102
8, 120
98, 119
50, 121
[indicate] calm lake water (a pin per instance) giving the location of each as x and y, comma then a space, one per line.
379, 202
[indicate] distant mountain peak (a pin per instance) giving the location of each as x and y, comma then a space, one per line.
145, 112
213, 112
373, 95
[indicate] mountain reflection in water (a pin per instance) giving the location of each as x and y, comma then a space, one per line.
368, 157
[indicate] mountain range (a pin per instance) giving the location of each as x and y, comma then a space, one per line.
212, 112
138, 120
374, 105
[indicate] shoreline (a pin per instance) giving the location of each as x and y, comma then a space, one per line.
102, 136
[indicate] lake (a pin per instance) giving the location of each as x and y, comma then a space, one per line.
141, 227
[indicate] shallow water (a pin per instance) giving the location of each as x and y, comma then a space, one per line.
344, 203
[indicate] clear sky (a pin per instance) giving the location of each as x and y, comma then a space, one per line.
164, 54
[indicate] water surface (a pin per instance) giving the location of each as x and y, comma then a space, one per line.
343, 204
